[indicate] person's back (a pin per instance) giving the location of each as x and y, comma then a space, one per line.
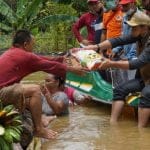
16, 61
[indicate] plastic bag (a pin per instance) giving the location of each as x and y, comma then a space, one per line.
87, 58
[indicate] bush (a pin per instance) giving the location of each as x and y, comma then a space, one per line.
56, 38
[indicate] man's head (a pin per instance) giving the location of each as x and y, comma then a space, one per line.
111, 4
95, 6
23, 39
140, 23
127, 5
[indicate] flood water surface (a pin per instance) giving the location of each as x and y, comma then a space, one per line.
87, 128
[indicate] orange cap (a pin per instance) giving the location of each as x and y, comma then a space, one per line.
123, 2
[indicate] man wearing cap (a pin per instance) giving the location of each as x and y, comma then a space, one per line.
92, 21
130, 49
112, 23
125, 52
140, 23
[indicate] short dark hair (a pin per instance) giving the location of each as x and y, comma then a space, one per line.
60, 79
21, 36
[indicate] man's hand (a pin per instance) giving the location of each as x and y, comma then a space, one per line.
67, 60
44, 89
122, 64
78, 70
112, 55
91, 47
84, 100
106, 63
86, 42
87, 98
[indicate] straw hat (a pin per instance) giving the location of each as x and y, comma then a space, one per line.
124, 2
139, 18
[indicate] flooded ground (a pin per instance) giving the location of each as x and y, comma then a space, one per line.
87, 128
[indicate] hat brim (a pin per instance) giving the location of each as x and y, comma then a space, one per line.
125, 2
132, 24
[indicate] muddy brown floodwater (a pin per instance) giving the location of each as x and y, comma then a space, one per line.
87, 128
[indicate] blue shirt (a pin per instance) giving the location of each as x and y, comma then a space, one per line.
130, 49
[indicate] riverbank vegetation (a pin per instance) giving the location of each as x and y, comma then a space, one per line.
50, 22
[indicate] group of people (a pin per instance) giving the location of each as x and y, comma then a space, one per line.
111, 24
135, 28
122, 20
18, 62
52, 97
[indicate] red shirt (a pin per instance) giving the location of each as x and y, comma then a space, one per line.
16, 63
86, 20
69, 92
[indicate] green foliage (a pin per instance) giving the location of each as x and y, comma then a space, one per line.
45, 19
56, 38
26, 15
63, 1
50, 23
139, 4
57, 34
21, 17
51, 8
80, 6
10, 126
5, 41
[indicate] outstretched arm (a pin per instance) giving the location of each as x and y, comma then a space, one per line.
102, 46
111, 43
77, 70
143, 59
53, 58
114, 64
